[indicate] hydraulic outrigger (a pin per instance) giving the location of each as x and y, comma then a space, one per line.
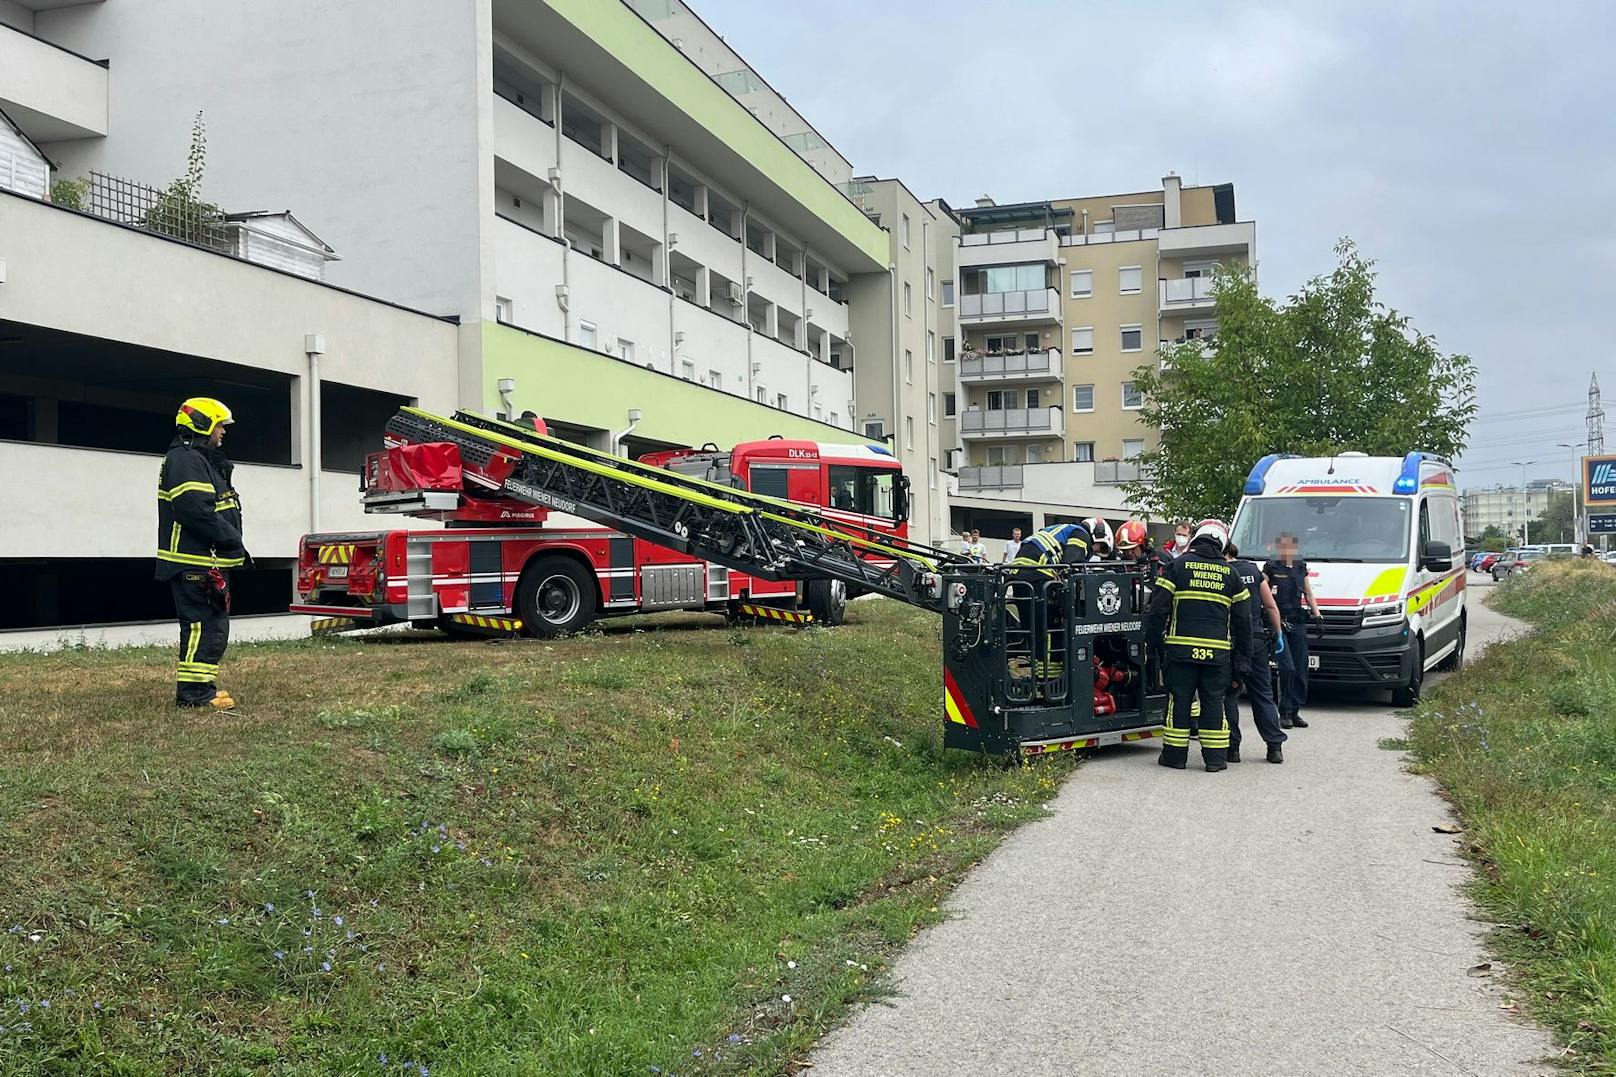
1035, 660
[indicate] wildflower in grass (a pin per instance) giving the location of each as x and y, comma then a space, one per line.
696, 1053
735, 1037
315, 913
785, 998
8, 968
373, 903
307, 932
325, 966
222, 920
309, 894
96, 1005
269, 906
308, 949
382, 1058
280, 955
23, 1007
44, 1003
337, 920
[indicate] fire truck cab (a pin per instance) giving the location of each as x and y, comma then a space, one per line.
503, 566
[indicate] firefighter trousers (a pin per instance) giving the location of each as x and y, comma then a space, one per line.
1189, 682
204, 618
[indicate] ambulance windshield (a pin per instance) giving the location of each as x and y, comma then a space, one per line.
1364, 529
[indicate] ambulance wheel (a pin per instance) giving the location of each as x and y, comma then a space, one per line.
1409, 694
827, 601
1455, 657
555, 596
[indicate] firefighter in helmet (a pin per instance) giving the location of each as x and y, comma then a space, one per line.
1062, 544
1102, 546
1199, 621
1133, 545
198, 542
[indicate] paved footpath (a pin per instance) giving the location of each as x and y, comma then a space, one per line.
1289, 920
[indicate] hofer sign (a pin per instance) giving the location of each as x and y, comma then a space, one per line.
1599, 481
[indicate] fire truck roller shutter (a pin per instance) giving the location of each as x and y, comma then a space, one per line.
556, 594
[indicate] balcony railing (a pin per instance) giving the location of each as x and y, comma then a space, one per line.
1043, 364
1000, 477
1035, 304
1014, 422
1111, 472
1186, 292
1022, 235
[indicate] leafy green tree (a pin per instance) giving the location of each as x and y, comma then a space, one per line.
1328, 369
179, 210
1558, 523
1493, 540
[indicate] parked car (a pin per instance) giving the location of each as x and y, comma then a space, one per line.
1486, 561
1475, 560
1515, 561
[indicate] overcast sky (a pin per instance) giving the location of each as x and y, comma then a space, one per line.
1469, 148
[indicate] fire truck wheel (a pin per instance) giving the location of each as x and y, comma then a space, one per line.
827, 601
555, 596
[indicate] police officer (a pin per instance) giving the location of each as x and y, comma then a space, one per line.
1199, 622
1287, 577
1266, 634
198, 542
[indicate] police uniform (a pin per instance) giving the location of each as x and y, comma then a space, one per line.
1255, 674
198, 542
1199, 622
1288, 582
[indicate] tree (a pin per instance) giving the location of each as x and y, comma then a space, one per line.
1493, 540
1558, 523
1327, 370
179, 211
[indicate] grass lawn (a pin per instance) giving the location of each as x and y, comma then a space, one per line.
1525, 743
682, 850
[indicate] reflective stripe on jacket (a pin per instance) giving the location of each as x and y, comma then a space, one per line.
198, 513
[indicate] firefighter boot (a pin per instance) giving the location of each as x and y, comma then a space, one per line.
1177, 758
222, 701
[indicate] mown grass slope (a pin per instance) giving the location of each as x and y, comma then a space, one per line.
1525, 743
683, 850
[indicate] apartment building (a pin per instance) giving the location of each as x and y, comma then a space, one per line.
1505, 507
1058, 303
497, 205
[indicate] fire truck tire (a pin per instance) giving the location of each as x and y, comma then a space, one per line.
555, 596
827, 601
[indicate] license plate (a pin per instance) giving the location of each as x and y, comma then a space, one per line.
337, 572
1312, 661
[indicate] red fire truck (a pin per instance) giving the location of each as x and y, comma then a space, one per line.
501, 566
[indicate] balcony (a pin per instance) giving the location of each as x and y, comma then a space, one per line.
977, 369
1007, 248
1112, 472
1186, 295
1013, 423
1034, 307
1208, 240
1002, 477
51, 93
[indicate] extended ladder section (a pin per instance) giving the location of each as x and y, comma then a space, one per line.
749, 532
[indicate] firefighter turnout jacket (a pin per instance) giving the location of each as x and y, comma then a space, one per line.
198, 512
1063, 544
1200, 610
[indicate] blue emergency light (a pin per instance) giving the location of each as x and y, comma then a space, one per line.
1408, 482
1255, 481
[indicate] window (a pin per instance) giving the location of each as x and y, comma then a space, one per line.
931, 346
1130, 280
1035, 454
504, 310
781, 402
1082, 398
906, 231
931, 283
687, 370
1200, 269
908, 431
1016, 278
1082, 283
1133, 448
948, 293
1132, 398
908, 297
875, 429
761, 395
931, 408
715, 378
867, 490
1032, 398
950, 405
1001, 399
1083, 340
908, 366
1133, 338
586, 334
997, 455
948, 349
931, 472
625, 349
1083, 452
835, 420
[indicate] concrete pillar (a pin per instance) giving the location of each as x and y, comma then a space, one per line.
704, 295
1172, 203
771, 320
609, 237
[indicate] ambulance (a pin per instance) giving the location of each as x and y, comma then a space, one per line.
1383, 538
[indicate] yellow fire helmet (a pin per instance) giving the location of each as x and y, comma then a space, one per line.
203, 415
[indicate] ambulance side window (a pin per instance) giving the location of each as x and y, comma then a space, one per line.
1425, 526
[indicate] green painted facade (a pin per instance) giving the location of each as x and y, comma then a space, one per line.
617, 29
576, 385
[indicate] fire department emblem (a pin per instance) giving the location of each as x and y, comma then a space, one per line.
1110, 599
